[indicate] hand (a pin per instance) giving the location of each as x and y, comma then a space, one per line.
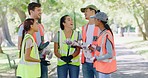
90, 47
45, 62
42, 46
66, 59
68, 41
85, 46
69, 58
73, 46
76, 45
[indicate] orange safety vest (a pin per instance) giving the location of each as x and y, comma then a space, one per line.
95, 34
41, 30
108, 65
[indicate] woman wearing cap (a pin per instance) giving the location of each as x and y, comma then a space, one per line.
105, 55
68, 57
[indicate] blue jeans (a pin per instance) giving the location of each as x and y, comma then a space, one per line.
89, 71
102, 75
44, 71
67, 68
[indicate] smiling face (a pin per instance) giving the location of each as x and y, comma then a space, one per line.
35, 26
88, 12
97, 22
36, 13
68, 22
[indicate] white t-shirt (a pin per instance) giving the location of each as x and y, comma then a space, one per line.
89, 40
89, 33
29, 43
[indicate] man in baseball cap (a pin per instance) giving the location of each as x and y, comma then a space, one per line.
89, 33
90, 7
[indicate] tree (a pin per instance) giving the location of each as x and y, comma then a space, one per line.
138, 9
1, 39
14, 6
54, 10
4, 25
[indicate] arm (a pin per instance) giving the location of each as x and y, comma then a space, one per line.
109, 52
28, 57
28, 48
76, 53
57, 54
55, 40
77, 49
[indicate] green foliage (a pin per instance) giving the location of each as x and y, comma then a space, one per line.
119, 11
55, 9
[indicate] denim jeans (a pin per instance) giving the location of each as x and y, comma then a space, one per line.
102, 75
89, 71
66, 69
44, 71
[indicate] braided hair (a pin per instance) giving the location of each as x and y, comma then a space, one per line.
107, 26
27, 25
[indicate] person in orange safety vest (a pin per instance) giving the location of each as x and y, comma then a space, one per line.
89, 35
105, 55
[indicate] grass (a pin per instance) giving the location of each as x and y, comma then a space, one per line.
144, 53
4, 65
134, 42
141, 47
2, 56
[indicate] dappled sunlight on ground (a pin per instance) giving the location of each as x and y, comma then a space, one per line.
129, 63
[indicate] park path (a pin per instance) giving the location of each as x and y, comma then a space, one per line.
129, 64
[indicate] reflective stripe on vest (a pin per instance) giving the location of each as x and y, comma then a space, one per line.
107, 65
64, 48
95, 34
34, 51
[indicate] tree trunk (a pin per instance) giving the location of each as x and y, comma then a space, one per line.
6, 30
1, 51
146, 19
21, 13
143, 34
1, 39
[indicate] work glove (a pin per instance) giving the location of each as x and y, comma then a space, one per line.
66, 59
43, 45
75, 44
69, 58
85, 46
45, 62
